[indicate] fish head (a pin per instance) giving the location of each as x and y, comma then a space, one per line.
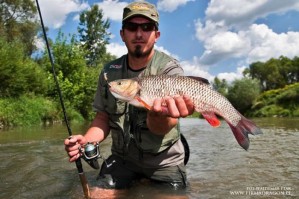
124, 89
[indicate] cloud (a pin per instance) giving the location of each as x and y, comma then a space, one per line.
162, 49
117, 49
170, 5
112, 9
266, 44
228, 31
55, 12
194, 68
238, 13
39, 43
232, 76
257, 43
222, 45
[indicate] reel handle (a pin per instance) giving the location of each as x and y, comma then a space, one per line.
91, 154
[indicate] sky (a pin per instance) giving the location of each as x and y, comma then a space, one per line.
209, 37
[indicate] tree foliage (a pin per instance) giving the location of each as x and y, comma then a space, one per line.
77, 82
94, 36
18, 73
243, 93
220, 86
18, 22
278, 102
275, 73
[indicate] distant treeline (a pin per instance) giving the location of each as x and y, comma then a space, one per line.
28, 95
267, 89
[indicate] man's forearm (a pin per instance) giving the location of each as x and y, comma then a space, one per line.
99, 128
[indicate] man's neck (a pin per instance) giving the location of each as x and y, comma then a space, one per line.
139, 63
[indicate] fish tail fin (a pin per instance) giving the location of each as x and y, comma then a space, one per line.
241, 131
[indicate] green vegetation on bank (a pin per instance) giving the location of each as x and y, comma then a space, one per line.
26, 111
282, 102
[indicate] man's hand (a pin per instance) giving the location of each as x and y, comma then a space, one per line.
176, 107
73, 145
164, 113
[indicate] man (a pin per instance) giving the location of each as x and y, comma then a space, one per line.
145, 144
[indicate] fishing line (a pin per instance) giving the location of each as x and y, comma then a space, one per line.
78, 161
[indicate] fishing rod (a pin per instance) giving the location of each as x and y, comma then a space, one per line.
78, 161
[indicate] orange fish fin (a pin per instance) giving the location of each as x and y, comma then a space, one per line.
143, 103
211, 118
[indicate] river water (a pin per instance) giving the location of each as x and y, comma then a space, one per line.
33, 163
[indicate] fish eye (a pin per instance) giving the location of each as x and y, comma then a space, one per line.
119, 83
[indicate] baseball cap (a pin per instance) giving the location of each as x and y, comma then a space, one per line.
141, 8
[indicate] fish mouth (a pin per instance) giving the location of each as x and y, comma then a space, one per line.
118, 96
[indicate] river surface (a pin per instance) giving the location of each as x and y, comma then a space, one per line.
33, 163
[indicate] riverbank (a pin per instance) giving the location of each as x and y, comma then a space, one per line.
33, 111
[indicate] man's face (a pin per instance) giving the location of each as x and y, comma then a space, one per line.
139, 36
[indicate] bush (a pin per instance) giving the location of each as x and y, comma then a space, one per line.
27, 111
19, 74
272, 111
279, 102
296, 112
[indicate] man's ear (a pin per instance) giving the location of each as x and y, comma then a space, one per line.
121, 32
158, 34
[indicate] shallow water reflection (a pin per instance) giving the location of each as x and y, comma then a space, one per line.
34, 164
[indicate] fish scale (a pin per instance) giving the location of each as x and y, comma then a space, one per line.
142, 92
203, 96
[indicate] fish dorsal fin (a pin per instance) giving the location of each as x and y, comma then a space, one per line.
201, 79
211, 118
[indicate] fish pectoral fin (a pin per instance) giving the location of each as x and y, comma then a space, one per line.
143, 103
211, 118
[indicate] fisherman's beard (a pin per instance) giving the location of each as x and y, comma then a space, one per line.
138, 52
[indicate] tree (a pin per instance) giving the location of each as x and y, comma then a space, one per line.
78, 83
274, 73
258, 71
295, 70
94, 36
243, 93
220, 86
18, 73
18, 22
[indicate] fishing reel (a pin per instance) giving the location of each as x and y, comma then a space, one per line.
91, 153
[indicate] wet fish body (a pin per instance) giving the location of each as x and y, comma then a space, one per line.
143, 91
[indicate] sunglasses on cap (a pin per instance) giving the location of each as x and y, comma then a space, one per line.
146, 27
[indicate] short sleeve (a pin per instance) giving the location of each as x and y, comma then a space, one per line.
173, 67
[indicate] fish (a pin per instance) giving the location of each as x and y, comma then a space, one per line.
142, 91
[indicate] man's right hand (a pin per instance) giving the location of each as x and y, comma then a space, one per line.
73, 145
